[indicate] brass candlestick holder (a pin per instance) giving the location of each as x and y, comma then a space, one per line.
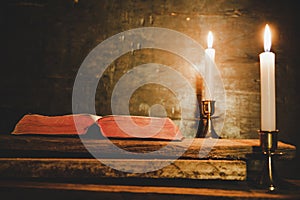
268, 144
208, 110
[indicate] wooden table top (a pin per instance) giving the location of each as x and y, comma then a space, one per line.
197, 148
41, 167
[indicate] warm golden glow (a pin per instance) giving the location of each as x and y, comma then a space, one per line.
210, 39
267, 38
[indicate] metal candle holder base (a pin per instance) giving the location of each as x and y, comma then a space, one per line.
268, 144
208, 109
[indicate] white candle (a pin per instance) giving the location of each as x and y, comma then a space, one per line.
267, 85
209, 61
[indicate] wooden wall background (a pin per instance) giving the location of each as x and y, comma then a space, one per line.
44, 42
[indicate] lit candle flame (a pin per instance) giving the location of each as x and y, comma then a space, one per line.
267, 38
210, 39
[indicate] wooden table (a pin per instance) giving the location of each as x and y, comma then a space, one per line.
52, 165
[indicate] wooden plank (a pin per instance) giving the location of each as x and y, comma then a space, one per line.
238, 192
198, 148
92, 168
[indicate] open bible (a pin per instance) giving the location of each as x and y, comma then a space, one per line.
110, 126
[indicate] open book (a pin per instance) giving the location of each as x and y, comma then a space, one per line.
110, 126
